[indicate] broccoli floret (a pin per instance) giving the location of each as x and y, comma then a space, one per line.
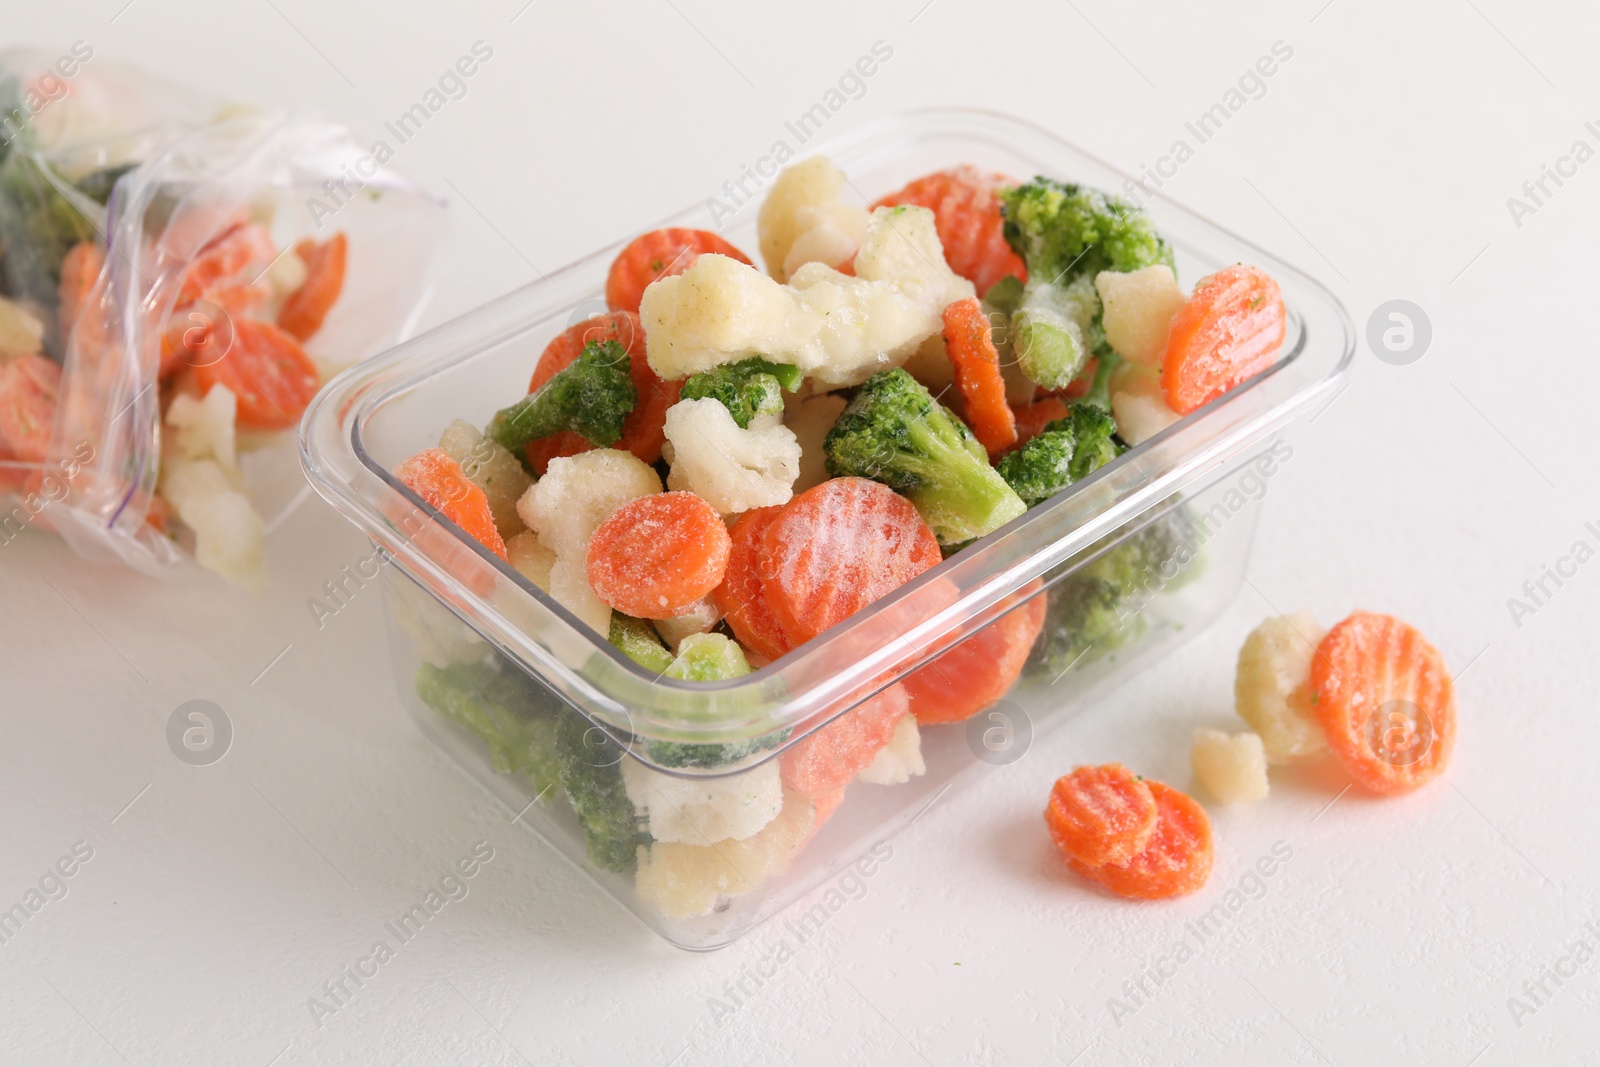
748, 389
41, 217
1083, 617
589, 764
1069, 449
709, 658
894, 432
513, 715
638, 641
97, 185
1160, 557
1053, 330
591, 396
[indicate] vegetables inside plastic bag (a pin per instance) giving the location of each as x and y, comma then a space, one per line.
191, 273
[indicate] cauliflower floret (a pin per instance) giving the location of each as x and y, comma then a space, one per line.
683, 880
567, 505
1272, 688
228, 532
440, 637
704, 811
863, 326
1138, 404
902, 248
205, 427
734, 470
805, 220
900, 760
531, 559
491, 468
810, 420
1233, 767
1139, 307
21, 332
700, 617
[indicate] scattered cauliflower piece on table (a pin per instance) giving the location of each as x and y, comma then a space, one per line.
809, 421
704, 811
1233, 767
805, 219
567, 505
1272, 688
683, 881
733, 470
228, 533
492, 469
900, 760
205, 428
1138, 309
1138, 404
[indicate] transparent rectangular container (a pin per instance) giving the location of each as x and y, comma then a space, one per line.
1174, 509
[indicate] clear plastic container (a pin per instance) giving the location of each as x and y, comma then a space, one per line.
1171, 509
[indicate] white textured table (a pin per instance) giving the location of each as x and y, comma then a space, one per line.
217, 900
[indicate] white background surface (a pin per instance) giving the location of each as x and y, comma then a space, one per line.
1380, 159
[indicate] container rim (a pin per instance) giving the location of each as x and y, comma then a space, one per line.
847, 663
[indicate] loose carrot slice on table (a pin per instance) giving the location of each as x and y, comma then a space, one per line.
657, 555
836, 548
963, 681
1385, 701
1177, 859
966, 213
1100, 815
977, 370
1229, 331
440, 481
659, 254
642, 430
742, 596
268, 371
305, 308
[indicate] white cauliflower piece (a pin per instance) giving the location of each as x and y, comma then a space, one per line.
809, 421
930, 364
900, 760
805, 219
732, 469
228, 532
286, 274
530, 558
863, 326
703, 811
1138, 403
1138, 310
699, 618
205, 428
902, 248
491, 468
1233, 767
21, 331
439, 636
567, 505
1272, 687
683, 880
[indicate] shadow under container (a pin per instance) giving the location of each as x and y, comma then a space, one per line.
562, 727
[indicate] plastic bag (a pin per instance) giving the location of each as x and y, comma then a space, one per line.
154, 241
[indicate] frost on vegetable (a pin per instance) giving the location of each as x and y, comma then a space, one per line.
513, 715
684, 881
1272, 687
1053, 331
567, 505
1138, 403
900, 760
491, 468
749, 389
704, 811
591, 397
902, 249
805, 219
700, 617
1138, 309
732, 469
204, 429
636, 639
709, 658
530, 558
1232, 767
228, 533
809, 421
1068, 450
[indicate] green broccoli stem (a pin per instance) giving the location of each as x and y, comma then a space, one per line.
1099, 394
959, 496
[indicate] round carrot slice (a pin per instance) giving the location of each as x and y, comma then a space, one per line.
656, 555
1177, 859
1229, 331
836, 548
966, 679
440, 481
643, 430
742, 596
977, 371
304, 309
1099, 815
246, 248
30, 386
268, 371
823, 763
966, 213
1385, 701
659, 254
79, 271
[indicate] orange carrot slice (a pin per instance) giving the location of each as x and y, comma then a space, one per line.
304, 309
1100, 815
656, 555
268, 372
1229, 331
1177, 859
79, 271
440, 481
963, 681
742, 596
30, 386
659, 254
977, 371
822, 764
